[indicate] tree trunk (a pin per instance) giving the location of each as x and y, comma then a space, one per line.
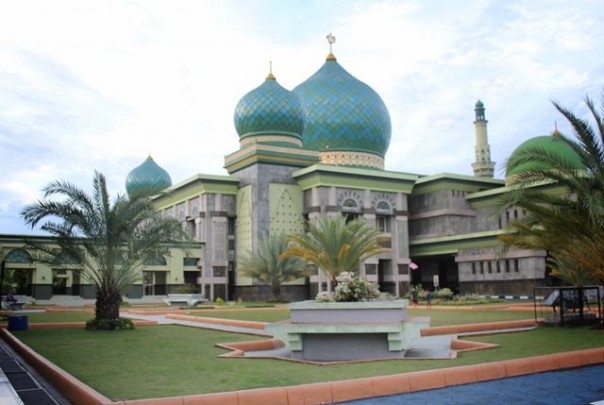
108, 302
276, 289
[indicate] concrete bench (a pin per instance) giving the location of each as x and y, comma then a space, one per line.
184, 299
17, 304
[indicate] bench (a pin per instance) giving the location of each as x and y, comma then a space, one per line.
17, 304
184, 299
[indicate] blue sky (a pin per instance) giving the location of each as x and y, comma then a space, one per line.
98, 85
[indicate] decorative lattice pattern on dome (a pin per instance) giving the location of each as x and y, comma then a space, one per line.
343, 113
269, 108
147, 179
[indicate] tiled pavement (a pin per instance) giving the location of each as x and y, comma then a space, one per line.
19, 384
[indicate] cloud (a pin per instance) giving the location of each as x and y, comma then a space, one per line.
99, 85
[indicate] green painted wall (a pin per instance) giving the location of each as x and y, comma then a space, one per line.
285, 208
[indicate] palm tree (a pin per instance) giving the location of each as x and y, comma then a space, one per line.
268, 265
564, 203
108, 242
335, 245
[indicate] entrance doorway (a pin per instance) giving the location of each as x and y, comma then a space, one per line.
154, 282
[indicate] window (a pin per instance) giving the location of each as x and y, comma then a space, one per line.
350, 203
350, 216
383, 223
231, 225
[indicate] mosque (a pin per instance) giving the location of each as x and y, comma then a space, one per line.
317, 150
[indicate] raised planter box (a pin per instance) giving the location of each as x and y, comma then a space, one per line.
338, 331
184, 299
348, 312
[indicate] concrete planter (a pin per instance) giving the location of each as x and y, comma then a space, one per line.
184, 299
348, 312
339, 331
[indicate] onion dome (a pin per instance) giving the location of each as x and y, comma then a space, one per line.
270, 114
345, 118
147, 179
546, 144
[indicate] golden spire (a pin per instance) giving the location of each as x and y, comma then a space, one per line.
270, 71
556, 134
331, 40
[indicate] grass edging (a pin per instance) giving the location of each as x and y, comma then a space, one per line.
72, 388
336, 391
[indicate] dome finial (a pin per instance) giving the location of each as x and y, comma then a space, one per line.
331, 40
556, 134
270, 71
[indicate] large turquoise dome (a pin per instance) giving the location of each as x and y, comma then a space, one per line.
270, 109
147, 179
343, 113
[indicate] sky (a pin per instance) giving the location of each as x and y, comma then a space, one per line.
92, 85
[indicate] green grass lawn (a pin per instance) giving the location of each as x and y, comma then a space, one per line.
146, 362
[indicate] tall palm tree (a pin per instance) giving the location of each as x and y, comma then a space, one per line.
564, 203
335, 245
108, 242
268, 265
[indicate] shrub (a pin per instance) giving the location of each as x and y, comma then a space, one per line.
351, 288
110, 324
444, 294
219, 301
185, 289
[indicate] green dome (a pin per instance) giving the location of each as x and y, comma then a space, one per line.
147, 179
552, 144
343, 113
269, 109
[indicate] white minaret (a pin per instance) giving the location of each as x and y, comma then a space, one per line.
483, 167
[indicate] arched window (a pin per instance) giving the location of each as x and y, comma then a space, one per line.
18, 256
157, 260
350, 205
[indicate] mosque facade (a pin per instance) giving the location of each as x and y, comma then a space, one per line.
319, 150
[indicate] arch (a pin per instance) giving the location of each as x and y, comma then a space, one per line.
18, 256
156, 260
350, 203
383, 207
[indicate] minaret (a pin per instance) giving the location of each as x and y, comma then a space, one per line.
483, 167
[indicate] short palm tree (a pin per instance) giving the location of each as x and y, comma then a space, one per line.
107, 242
336, 245
268, 265
564, 203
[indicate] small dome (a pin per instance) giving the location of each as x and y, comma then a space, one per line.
552, 144
343, 113
479, 104
147, 179
269, 109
